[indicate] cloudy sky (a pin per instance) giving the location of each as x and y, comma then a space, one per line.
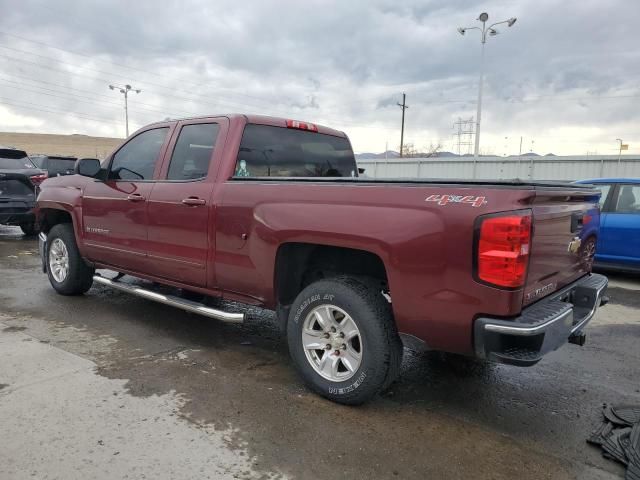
565, 77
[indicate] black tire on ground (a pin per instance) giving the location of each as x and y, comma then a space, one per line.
80, 276
380, 346
29, 229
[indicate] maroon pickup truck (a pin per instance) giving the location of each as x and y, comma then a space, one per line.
272, 212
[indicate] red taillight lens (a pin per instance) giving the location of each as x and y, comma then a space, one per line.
39, 178
503, 250
302, 125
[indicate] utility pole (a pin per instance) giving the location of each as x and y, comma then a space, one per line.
404, 106
125, 91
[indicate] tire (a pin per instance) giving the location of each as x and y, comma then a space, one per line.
365, 364
29, 229
79, 276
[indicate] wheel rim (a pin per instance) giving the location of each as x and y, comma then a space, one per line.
588, 253
58, 260
332, 343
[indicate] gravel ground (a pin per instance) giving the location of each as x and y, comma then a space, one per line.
112, 386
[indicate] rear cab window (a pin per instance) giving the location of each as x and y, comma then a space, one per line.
270, 151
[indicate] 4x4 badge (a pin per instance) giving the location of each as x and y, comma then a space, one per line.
468, 199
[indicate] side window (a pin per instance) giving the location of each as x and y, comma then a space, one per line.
628, 199
604, 190
192, 154
137, 159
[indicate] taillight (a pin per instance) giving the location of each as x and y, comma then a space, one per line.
302, 125
39, 178
502, 248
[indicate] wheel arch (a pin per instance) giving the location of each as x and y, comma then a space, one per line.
299, 264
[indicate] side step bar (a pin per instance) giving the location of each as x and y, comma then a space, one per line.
187, 305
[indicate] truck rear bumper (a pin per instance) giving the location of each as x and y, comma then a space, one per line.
542, 327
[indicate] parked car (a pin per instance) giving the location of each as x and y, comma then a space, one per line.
270, 212
55, 165
18, 180
618, 242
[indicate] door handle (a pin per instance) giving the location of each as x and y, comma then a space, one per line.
135, 197
193, 201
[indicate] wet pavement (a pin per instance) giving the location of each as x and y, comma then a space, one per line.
225, 401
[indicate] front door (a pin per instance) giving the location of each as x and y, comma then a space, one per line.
181, 221
620, 229
114, 211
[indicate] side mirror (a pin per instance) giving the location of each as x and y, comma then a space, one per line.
88, 167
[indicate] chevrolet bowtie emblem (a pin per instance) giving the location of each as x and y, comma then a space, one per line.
574, 245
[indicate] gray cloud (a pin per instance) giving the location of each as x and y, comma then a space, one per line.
340, 63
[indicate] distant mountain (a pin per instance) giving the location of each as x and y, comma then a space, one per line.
388, 154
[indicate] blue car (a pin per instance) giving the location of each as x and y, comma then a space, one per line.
618, 241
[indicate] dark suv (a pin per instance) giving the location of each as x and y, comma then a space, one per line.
55, 165
19, 178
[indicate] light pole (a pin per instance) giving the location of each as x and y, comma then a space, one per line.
484, 31
125, 91
620, 149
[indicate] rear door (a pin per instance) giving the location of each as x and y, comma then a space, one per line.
555, 259
620, 231
114, 211
181, 216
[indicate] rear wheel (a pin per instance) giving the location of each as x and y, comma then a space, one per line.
29, 229
67, 271
343, 339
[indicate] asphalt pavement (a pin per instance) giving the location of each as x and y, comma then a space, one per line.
107, 385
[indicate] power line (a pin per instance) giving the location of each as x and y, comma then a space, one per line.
138, 104
102, 72
34, 106
120, 65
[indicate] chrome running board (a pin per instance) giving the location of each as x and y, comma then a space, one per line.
173, 301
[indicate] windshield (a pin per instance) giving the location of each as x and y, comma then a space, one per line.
267, 151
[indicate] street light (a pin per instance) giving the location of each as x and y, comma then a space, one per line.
484, 31
125, 91
620, 150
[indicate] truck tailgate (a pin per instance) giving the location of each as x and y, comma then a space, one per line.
561, 220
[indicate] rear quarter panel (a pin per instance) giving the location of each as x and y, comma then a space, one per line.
427, 248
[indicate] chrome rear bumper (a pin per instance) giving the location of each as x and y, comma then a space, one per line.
544, 326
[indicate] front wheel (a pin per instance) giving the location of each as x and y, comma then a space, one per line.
343, 340
67, 271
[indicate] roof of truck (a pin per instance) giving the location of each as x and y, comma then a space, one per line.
262, 120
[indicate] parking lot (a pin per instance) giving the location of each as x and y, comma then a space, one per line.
108, 385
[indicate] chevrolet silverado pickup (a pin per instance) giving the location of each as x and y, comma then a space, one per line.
271, 212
